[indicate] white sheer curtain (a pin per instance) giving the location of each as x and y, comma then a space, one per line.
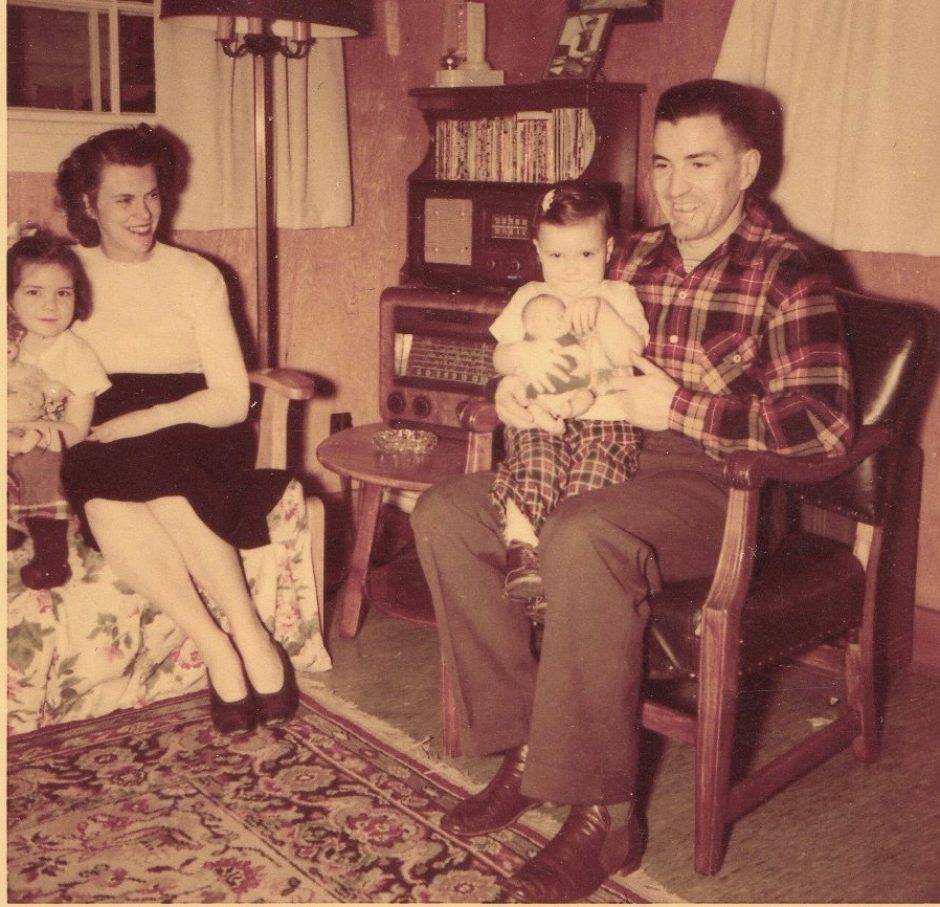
206, 99
859, 81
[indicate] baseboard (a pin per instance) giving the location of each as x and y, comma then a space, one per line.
927, 636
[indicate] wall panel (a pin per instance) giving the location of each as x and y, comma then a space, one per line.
330, 280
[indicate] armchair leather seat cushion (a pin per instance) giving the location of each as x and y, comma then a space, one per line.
808, 590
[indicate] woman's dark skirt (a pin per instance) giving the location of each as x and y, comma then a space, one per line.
213, 468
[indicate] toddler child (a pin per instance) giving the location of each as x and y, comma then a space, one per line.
46, 291
581, 444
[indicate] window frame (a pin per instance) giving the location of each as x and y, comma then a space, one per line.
40, 137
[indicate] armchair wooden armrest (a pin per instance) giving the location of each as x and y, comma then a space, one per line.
280, 387
750, 469
480, 420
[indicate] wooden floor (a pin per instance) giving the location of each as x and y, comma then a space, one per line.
844, 833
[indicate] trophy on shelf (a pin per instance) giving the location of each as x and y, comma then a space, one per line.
464, 61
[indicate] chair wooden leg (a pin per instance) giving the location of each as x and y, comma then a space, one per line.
717, 712
860, 687
316, 524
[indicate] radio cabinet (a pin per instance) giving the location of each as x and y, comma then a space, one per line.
493, 153
436, 354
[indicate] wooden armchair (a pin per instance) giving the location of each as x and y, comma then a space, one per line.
817, 565
93, 645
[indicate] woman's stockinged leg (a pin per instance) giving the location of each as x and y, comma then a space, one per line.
217, 567
141, 553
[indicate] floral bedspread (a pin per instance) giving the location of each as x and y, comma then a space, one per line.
93, 646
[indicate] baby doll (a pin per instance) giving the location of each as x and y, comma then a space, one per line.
545, 317
46, 291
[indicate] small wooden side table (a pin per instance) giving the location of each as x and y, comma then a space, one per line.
351, 453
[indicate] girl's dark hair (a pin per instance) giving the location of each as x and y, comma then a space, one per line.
571, 202
46, 249
80, 173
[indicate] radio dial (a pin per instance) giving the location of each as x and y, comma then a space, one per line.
395, 402
421, 407
515, 266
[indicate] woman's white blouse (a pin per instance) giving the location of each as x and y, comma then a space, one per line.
168, 314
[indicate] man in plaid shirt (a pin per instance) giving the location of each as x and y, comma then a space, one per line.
746, 353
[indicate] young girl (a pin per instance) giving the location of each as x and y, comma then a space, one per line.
573, 235
46, 291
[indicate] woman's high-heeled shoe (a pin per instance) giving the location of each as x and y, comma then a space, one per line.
239, 717
281, 706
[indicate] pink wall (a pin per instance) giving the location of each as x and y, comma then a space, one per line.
330, 280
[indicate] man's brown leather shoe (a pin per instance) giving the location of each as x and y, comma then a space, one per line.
499, 803
578, 860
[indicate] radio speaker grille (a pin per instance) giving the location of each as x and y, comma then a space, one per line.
448, 231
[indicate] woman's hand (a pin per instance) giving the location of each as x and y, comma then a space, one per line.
130, 425
582, 314
542, 360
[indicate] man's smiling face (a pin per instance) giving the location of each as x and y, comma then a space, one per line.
699, 176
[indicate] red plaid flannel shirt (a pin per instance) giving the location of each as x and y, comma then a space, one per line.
753, 337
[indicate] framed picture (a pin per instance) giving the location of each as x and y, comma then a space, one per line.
580, 46
624, 10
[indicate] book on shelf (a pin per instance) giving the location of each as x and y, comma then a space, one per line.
529, 146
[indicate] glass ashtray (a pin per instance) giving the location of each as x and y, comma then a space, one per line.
404, 440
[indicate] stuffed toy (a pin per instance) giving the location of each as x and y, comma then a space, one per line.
31, 395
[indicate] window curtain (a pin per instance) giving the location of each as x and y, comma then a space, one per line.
206, 99
859, 82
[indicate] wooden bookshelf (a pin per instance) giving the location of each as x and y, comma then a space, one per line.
497, 149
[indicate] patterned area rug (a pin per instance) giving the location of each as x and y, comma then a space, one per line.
152, 805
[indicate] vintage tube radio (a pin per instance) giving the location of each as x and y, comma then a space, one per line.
475, 235
436, 353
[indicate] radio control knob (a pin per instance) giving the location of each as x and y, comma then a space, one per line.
491, 264
421, 406
515, 266
395, 402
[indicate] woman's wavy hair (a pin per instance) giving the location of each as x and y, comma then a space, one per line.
79, 176
44, 248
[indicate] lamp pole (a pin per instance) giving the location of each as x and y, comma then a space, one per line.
330, 18
263, 45
265, 228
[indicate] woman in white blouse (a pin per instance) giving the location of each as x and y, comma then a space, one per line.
164, 485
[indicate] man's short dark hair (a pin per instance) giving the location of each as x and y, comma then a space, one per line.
732, 103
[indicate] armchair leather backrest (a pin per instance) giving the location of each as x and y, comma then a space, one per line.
890, 344
893, 347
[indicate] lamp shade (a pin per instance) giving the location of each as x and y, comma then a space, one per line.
327, 18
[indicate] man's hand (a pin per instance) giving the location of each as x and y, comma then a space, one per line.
130, 425
515, 409
646, 398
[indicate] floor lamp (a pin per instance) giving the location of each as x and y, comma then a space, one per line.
264, 28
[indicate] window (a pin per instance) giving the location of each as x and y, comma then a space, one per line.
81, 55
